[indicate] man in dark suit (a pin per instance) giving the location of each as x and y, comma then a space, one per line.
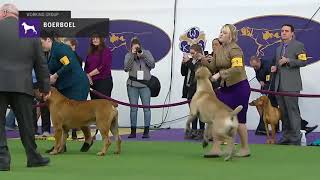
262, 68
17, 58
290, 56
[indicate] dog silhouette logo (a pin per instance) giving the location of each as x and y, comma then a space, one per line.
27, 27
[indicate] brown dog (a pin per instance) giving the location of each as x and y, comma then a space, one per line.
67, 114
222, 121
271, 115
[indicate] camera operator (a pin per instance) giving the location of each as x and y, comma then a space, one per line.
138, 63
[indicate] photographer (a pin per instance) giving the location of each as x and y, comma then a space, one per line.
138, 62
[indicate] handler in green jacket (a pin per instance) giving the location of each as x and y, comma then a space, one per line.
66, 74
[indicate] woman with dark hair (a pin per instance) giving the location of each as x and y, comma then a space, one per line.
98, 67
189, 64
138, 62
216, 44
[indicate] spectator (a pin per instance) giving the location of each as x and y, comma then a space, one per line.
98, 67
11, 121
189, 63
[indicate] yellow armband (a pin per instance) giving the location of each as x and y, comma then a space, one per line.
237, 62
64, 60
302, 57
268, 77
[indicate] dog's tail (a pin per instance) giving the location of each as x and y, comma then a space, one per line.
232, 125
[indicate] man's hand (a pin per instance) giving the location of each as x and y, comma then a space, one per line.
273, 69
283, 61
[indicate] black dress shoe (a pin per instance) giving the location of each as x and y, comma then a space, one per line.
5, 160
38, 163
4, 168
310, 129
86, 146
295, 143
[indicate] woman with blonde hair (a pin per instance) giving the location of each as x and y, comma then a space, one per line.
227, 66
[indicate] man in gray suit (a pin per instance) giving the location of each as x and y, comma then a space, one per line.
17, 59
290, 56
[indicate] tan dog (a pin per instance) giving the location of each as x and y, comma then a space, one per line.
222, 121
271, 115
67, 114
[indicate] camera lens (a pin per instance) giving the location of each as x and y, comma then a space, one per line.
138, 50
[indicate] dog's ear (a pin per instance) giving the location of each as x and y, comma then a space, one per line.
237, 110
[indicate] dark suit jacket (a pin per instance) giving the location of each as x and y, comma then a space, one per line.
288, 77
17, 59
263, 74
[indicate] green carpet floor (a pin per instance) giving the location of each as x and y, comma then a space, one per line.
166, 160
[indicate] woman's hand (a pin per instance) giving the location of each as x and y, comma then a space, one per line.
215, 77
90, 79
53, 78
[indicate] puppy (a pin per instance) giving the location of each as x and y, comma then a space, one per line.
67, 114
270, 115
222, 121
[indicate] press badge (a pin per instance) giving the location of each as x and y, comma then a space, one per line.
139, 75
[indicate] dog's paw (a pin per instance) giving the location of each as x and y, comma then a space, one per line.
117, 152
101, 154
228, 158
62, 149
54, 152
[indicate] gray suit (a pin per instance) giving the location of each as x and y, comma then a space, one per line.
17, 59
288, 79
